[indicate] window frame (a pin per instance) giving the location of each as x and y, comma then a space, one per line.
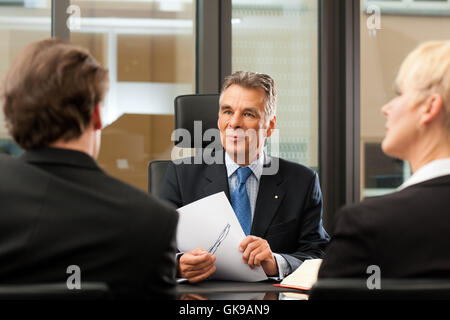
409, 7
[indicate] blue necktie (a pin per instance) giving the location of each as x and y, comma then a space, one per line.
240, 201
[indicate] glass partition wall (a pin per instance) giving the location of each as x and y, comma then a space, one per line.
280, 38
389, 31
21, 22
149, 48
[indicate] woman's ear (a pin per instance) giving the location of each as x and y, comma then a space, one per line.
431, 108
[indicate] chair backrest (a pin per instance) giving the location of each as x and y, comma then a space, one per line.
191, 108
390, 289
187, 109
156, 174
58, 291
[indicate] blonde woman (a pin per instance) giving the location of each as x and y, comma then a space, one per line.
406, 233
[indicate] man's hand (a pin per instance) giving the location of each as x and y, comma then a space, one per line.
196, 265
256, 252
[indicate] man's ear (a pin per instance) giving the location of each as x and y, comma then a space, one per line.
431, 109
271, 126
97, 118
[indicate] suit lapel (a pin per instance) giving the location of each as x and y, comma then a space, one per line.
270, 195
216, 180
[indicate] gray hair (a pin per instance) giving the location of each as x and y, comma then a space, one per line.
254, 80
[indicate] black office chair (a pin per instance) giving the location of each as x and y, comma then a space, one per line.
156, 174
188, 109
391, 289
192, 108
54, 291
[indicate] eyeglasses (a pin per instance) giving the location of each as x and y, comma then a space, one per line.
219, 240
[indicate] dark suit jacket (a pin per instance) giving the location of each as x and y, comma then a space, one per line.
58, 208
291, 223
405, 233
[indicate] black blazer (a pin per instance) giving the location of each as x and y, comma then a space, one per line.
405, 233
58, 208
288, 211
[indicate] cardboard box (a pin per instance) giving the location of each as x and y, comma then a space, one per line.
131, 142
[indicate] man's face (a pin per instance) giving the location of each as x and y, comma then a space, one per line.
243, 123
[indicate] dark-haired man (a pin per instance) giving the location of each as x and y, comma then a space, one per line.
58, 208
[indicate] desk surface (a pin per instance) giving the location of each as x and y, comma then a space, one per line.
231, 290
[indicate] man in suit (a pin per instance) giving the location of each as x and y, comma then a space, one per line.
280, 213
405, 234
59, 210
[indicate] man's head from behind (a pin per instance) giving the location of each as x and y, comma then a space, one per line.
247, 114
52, 94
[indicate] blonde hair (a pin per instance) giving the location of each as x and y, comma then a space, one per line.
426, 70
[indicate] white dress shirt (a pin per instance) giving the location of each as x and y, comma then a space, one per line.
431, 170
252, 185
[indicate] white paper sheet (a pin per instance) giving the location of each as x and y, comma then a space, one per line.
200, 225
